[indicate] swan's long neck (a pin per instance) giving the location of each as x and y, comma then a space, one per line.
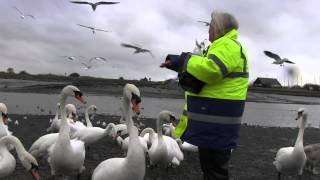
159, 127
86, 116
15, 142
299, 141
151, 133
64, 127
57, 113
127, 115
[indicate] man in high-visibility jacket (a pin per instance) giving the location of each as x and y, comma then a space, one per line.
216, 86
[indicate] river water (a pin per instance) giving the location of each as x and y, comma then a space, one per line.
264, 114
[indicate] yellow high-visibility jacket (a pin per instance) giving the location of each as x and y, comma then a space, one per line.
212, 118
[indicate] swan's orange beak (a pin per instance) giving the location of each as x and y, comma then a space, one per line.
5, 118
81, 99
136, 106
35, 174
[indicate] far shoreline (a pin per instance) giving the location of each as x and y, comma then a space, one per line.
255, 94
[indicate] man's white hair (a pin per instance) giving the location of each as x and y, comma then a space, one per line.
223, 22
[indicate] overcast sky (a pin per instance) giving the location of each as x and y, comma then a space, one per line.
290, 28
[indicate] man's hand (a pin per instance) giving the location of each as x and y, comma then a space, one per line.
166, 64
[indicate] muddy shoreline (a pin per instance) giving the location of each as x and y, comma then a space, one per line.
251, 160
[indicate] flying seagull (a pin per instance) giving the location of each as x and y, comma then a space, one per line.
71, 58
200, 47
205, 23
92, 28
137, 49
277, 58
94, 5
87, 66
98, 59
22, 15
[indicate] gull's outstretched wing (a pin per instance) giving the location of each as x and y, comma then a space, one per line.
205, 22
85, 26
272, 55
20, 12
29, 15
102, 30
104, 2
81, 2
287, 61
129, 46
151, 53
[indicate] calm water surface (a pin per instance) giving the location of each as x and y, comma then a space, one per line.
264, 114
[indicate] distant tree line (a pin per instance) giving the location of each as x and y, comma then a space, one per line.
76, 79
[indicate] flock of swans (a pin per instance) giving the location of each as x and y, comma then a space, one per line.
64, 147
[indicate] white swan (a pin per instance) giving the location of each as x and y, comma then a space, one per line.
3, 118
313, 157
66, 157
293, 159
39, 149
93, 109
8, 162
168, 129
133, 166
90, 135
184, 146
71, 116
164, 149
124, 143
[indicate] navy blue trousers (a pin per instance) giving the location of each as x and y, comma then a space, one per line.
214, 163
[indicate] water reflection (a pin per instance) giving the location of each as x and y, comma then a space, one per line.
264, 114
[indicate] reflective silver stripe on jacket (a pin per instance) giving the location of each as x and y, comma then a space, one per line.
223, 68
214, 119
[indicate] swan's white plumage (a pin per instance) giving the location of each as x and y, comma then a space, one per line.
133, 165
292, 159
7, 160
66, 157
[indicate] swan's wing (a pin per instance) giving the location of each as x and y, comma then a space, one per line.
282, 155
42, 144
89, 135
110, 167
173, 148
272, 55
78, 146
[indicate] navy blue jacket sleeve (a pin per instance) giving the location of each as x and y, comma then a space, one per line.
177, 61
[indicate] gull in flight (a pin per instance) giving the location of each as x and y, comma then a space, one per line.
277, 58
200, 47
205, 23
22, 15
92, 28
72, 58
98, 59
87, 66
137, 49
94, 5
